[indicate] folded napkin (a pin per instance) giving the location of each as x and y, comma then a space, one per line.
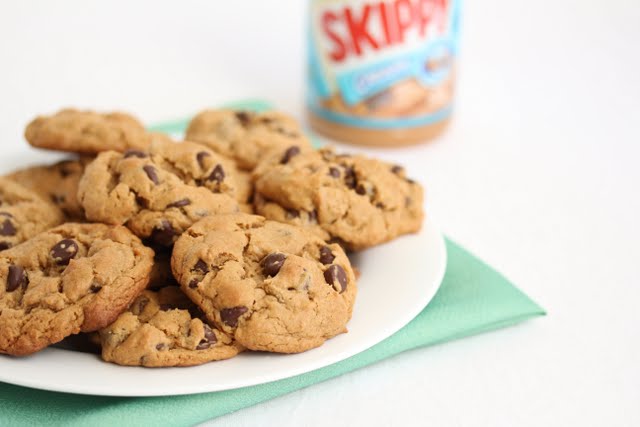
473, 298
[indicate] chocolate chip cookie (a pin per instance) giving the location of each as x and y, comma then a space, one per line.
57, 183
164, 329
357, 200
72, 278
160, 192
244, 189
246, 136
272, 286
87, 132
23, 214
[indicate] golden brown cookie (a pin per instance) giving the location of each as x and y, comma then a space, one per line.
57, 183
272, 286
72, 278
164, 328
357, 200
158, 193
87, 132
23, 214
244, 189
246, 136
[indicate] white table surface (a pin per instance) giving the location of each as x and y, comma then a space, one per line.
539, 174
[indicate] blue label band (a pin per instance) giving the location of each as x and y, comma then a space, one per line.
363, 82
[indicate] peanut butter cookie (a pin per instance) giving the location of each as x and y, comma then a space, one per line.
272, 286
57, 183
357, 200
87, 132
246, 136
160, 192
161, 329
72, 278
23, 214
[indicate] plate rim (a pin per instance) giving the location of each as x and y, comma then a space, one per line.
334, 358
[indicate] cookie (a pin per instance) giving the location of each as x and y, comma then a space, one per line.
23, 214
272, 286
157, 193
163, 329
87, 132
72, 278
246, 136
57, 183
244, 189
356, 200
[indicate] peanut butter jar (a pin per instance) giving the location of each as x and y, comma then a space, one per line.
381, 72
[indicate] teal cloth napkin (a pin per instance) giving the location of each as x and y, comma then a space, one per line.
473, 298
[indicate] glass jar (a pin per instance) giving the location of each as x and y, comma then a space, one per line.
381, 72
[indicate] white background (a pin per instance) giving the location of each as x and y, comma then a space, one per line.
538, 174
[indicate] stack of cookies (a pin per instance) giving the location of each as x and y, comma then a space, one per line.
169, 253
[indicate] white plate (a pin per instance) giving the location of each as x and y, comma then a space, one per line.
398, 280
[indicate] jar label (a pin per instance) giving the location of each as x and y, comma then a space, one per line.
383, 64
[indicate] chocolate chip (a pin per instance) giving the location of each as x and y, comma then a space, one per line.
16, 278
272, 263
350, 178
291, 152
397, 169
243, 117
217, 174
165, 307
201, 266
334, 172
326, 257
292, 213
161, 346
313, 216
335, 275
230, 315
7, 228
179, 203
209, 338
63, 251
163, 234
194, 283
95, 287
134, 153
4, 245
139, 305
151, 173
201, 156
361, 190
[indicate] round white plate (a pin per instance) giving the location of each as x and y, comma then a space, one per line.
398, 280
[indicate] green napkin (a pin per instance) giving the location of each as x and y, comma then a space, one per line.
473, 298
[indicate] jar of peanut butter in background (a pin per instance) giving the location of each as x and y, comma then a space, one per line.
381, 72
